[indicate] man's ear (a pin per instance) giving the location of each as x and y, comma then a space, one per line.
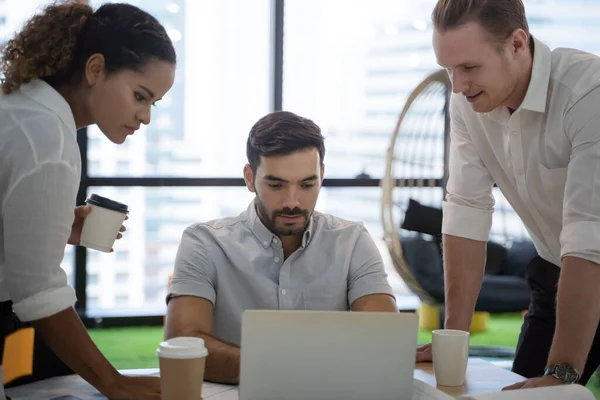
519, 43
249, 178
322, 173
94, 69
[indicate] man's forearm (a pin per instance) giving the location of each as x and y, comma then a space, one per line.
67, 337
192, 316
223, 361
577, 314
464, 264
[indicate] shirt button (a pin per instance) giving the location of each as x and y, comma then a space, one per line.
515, 132
265, 243
274, 240
283, 291
276, 259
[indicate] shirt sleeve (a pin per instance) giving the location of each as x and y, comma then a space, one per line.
580, 234
366, 274
38, 214
469, 204
194, 274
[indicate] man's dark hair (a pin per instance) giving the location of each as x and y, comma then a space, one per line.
281, 133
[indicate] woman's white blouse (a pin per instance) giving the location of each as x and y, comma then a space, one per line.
40, 170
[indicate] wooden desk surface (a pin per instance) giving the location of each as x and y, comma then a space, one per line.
482, 377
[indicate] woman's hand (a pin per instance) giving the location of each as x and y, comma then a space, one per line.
135, 388
80, 213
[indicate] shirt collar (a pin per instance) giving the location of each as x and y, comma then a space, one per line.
265, 236
537, 92
536, 97
41, 92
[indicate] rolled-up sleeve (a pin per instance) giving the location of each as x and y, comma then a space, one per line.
38, 215
580, 235
194, 274
469, 204
367, 274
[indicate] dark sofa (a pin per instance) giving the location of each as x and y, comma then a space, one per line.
504, 287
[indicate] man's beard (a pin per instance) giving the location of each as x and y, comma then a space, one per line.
269, 219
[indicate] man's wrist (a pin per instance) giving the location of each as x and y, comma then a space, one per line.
457, 323
564, 372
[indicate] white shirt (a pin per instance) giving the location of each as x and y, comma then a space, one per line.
545, 158
40, 169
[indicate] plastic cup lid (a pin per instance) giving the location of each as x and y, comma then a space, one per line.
182, 347
107, 203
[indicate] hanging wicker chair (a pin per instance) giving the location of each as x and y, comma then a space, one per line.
417, 154
417, 162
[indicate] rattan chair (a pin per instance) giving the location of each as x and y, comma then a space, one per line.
420, 135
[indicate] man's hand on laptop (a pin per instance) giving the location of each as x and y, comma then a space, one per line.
424, 353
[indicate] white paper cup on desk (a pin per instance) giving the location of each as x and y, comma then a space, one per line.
101, 226
450, 353
181, 362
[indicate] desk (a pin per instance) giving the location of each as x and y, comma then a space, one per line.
482, 377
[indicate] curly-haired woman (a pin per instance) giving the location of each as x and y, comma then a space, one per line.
69, 67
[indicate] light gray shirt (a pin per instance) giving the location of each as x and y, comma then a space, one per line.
40, 169
237, 264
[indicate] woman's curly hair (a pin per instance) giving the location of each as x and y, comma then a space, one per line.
45, 46
55, 44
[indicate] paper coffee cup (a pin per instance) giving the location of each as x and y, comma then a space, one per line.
450, 353
181, 362
102, 225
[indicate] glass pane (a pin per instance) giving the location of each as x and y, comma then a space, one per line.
352, 74
565, 23
222, 87
133, 279
13, 13
354, 204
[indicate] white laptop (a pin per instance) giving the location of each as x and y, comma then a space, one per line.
304, 355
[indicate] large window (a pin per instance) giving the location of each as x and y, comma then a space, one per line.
222, 87
133, 279
348, 65
13, 13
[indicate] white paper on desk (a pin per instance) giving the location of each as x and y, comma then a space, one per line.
571, 392
424, 391
55, 387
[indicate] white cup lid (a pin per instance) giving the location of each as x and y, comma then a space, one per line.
182, 347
